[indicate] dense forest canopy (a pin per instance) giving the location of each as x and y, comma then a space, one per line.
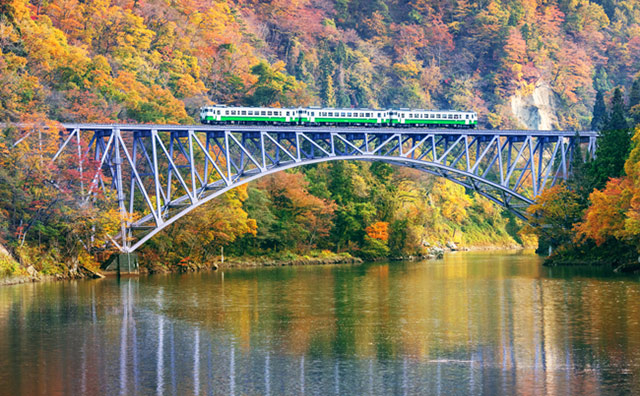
518, 63
158, 61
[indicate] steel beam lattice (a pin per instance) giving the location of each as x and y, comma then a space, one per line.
159, 173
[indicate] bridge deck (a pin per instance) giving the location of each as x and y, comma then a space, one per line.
321, 129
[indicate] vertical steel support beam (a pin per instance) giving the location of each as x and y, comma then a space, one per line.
192, 164
262, 148
541, 142
564, 161
206, 161
80, 161
156, 172
500, 148
227, 154
120, 192
133, 166
169, 169
466, 152
532, 156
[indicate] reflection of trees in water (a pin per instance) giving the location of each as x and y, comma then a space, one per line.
490, 321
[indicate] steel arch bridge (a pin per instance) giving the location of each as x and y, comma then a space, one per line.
159, 173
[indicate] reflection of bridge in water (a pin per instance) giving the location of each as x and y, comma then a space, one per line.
159, 173
162, 355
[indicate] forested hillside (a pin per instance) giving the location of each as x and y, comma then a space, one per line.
158, 61
518, 63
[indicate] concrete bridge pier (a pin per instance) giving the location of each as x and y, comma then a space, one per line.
122, 263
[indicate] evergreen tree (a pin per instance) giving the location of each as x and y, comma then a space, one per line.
328, 92
301, 72
601, 81
614, 144
634, 101
599, 113
580, 179
617, 120
327, 89
634, 95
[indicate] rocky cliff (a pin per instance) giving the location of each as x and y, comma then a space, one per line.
536, 110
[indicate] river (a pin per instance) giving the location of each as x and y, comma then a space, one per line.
474, 323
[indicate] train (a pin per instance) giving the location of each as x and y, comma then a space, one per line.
325, 116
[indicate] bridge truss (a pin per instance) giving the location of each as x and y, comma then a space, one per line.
158, 173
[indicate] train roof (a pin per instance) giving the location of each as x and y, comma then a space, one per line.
437, 110
342, 108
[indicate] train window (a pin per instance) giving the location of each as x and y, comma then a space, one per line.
368, 114
287, 113
450, 116
330, 114
263, 112
467, 116
269, 113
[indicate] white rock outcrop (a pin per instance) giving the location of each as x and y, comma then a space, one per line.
537, 110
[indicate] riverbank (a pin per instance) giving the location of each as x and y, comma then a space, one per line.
30, 274
288, 259
619, 260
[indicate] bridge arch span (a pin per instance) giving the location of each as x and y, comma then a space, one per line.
161, 173
515, 204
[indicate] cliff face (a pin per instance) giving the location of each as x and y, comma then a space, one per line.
537, 110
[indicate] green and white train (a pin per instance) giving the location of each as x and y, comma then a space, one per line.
317, 116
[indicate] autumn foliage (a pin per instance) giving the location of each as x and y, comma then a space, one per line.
378, 230
614, 212
153, 61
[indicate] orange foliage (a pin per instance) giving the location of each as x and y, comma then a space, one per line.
379, 230
605, 217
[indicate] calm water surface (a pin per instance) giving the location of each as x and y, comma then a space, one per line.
473, 323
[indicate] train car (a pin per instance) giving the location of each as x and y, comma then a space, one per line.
221, 114
433, 118
318, 116
313, 116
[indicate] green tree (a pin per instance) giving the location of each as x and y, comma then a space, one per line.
580, 180
634, 101
328, 92
599, 113
614, 144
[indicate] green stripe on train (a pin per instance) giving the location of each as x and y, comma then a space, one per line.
351, 120
428, 122
223, 118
